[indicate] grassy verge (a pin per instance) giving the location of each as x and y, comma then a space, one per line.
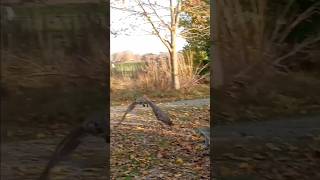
294, 94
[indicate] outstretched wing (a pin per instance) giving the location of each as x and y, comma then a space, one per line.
64, 148
160, 115
129, 109
96, 125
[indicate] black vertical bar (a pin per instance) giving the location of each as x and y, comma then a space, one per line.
108, 86
213, 14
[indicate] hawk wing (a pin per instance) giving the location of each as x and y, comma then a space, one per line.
129, 109
160, 115
96, 125
64, 148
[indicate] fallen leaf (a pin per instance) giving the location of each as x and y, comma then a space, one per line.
273, 147
244, 165
179, 161
258, 156
159, 155
41, 135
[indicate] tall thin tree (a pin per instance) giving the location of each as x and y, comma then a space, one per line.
166, 29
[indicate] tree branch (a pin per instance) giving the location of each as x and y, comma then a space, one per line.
297, 49
305, 15
177, 12
161, 20
163, 40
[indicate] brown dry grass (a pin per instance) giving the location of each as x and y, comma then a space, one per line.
31, 71
157, 76
155, 80
253, 37
253, 34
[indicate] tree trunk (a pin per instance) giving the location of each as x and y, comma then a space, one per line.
173, 52
217, 73
174, 62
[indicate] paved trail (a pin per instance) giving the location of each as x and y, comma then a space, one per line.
25, 159
297, 127
293, 127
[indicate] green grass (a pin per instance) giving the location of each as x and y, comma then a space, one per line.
63, 9
128, 69
51, 15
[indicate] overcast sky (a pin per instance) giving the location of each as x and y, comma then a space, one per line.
138, 41
139, 44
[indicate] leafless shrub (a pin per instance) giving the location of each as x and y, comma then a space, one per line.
156, 75
31, 71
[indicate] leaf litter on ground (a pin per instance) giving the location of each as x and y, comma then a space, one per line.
151, 150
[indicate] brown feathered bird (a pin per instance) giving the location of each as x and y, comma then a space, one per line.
145, 101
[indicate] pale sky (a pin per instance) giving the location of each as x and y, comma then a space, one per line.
137, 40
140, 44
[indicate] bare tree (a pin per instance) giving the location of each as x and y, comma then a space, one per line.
164, 22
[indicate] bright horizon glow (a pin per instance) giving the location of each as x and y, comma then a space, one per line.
137, 43
140, 44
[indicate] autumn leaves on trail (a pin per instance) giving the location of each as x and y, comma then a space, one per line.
143, 149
